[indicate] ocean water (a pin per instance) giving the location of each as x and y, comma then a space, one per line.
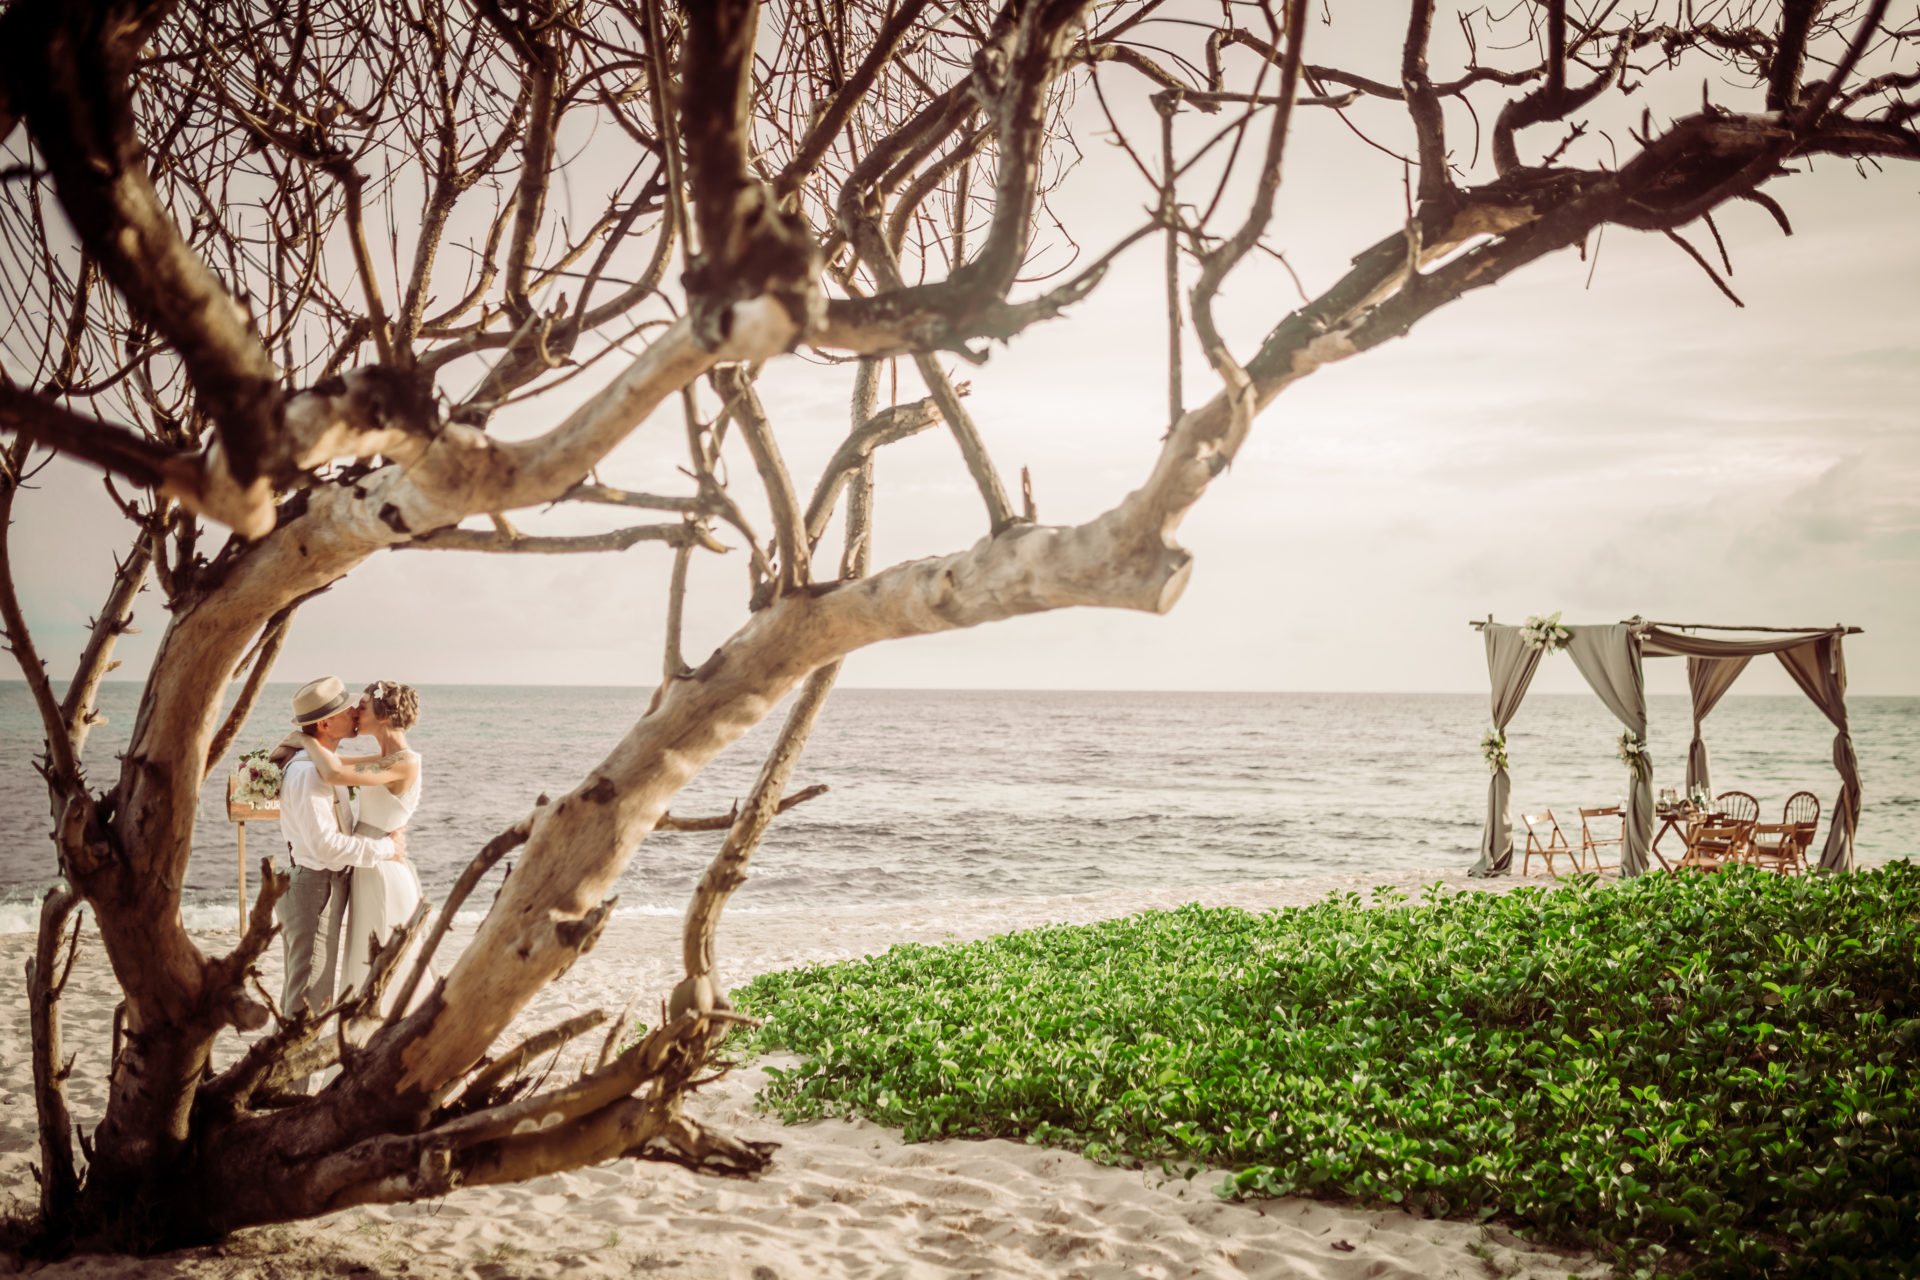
939, 795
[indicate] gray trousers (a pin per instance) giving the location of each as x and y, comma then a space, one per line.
310, 914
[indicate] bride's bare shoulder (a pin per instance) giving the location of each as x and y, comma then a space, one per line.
396, 770
381, 764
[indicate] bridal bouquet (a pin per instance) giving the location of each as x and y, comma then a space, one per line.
1493, 749
1545, 634
1633, 753
259, 778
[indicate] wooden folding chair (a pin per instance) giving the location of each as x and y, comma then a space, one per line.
1775, 846
1803, 833
1696, 818
1802, 811
1592, 844
1553, 844
1712, 847
1738, 806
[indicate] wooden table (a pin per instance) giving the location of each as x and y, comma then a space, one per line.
1676, 819
1670, 819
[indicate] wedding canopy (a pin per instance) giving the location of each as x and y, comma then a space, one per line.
1609, 657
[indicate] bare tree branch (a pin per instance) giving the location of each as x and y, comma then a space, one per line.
273, 638
33, 669
789, 535
610, 496
500, 1069
894, 423
677, 534
808, 154
754, 285
78, 108
724, 821
114, 620
1423, 104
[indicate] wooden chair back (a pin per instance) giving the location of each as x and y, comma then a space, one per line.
1553, 842
1710, 848
1802, 806
1738, 805
1591, 843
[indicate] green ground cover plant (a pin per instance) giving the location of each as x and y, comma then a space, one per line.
1709, 1075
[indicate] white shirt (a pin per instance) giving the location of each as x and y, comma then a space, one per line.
311, 828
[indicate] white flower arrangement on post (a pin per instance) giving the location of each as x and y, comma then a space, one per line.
1633, 754
259, 779
1545, 634
1493, 748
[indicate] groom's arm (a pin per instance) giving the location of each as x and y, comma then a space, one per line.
306, 814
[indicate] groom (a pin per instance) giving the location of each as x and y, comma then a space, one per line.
314, 821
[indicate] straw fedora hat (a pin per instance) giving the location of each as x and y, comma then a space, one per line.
315, 700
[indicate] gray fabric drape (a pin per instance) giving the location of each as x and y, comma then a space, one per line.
1609, 658
1708, 679
1658, 642
1511, 663
1820, 669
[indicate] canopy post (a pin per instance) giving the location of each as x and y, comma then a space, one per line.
1609, 658
1511, 663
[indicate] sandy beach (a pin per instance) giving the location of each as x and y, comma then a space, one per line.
844, 1198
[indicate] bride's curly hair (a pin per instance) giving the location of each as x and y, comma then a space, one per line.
397, 704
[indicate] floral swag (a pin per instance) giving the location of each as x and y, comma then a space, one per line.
1545, 634
1633, 754
1493, 749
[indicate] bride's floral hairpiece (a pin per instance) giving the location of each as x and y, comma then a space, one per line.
395, 702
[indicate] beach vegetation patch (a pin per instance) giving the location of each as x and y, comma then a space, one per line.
1712, 1076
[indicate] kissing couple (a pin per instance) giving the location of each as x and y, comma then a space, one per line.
344, 819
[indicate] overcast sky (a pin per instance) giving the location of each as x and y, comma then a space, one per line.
1626, 444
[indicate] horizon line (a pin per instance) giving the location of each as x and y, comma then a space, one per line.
851, 688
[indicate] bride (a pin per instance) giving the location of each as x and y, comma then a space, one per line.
383, 897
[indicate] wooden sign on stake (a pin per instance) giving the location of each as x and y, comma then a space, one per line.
243, 812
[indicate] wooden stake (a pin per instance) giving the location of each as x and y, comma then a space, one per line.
243, 877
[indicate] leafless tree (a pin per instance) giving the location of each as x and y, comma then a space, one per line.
275, 267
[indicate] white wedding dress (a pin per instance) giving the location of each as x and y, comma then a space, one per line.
383, 897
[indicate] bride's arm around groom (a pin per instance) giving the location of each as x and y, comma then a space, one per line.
401, 766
